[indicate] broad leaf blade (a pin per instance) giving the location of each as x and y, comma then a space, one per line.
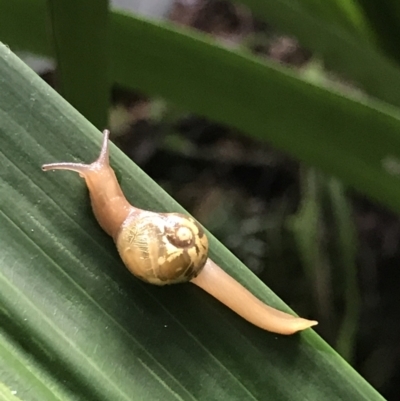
21, 378
66, 297
81, 49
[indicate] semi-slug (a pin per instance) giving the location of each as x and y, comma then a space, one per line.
168, 248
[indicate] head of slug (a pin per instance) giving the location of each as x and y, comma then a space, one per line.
162, 248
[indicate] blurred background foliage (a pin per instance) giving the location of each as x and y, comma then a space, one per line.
330, 253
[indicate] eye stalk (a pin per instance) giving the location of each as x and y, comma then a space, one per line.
169, 248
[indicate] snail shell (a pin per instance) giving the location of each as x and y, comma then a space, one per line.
162, 248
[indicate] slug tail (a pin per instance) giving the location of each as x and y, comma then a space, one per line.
223, 287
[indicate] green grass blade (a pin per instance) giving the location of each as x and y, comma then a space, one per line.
324, 208
348, 15
384, 19
347, 255
79, 32
342, 51
100, 332
352, 14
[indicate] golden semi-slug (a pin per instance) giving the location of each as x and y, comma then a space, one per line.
167, 248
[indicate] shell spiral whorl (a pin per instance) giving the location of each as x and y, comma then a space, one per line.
162, 248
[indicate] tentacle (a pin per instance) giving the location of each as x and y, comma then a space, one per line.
82, 168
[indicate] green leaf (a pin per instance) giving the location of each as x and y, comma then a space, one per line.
81, 50
345, 14
91, 328
384, 17
22, 378
347, 245
324, 208
343, 51
353, 138
32, 16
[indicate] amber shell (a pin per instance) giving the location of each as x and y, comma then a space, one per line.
162, 248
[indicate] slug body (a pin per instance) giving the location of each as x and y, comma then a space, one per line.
168, 248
